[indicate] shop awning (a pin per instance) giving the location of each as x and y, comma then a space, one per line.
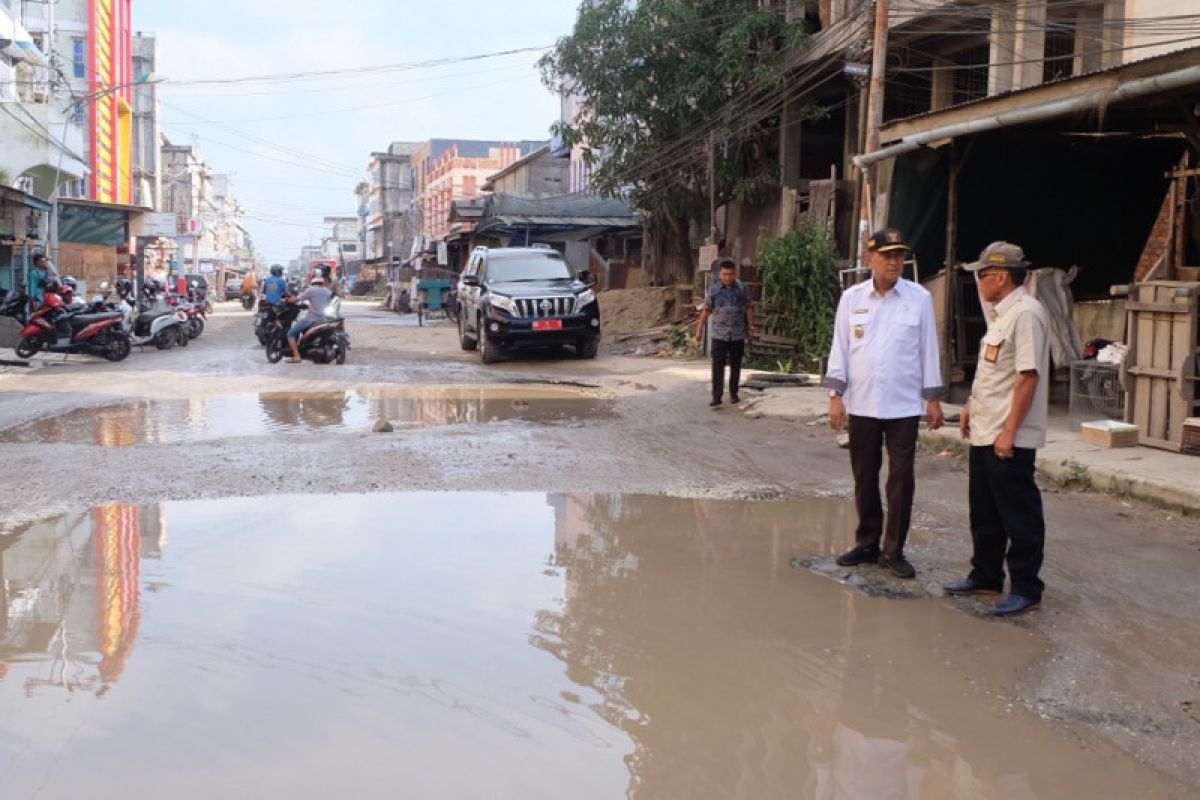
15, 197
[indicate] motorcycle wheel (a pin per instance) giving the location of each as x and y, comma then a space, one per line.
339, 353
181, 336
165, 340
118, 347
275, 347
196, 328
28, 347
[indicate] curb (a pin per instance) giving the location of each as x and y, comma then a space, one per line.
1072, 473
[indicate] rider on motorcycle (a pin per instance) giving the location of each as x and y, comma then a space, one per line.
317, 297
275, 287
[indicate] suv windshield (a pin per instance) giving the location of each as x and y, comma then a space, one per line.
527, 268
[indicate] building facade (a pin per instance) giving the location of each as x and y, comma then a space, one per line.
147, 157
449, 170
389, 212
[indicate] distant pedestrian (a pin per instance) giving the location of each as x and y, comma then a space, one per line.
1005, 420
884, 369
728, 304
38, 272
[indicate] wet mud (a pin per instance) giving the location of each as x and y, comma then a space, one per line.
504, 645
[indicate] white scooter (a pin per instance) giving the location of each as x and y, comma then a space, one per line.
153, 321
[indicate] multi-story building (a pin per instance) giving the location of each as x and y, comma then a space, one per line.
342, 242
211, 237
90, 77
147, 157
389, 210
449, 170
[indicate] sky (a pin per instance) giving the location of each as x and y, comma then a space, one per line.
297, 149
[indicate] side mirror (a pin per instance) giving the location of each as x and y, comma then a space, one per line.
470, 280
587, 277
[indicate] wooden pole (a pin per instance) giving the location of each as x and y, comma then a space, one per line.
875, 106
712, 189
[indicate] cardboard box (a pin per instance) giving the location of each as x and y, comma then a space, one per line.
1110, 433
1191, 437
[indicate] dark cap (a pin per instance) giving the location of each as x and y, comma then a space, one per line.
886, 240
1000, 255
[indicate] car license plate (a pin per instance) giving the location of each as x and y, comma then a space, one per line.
547, 325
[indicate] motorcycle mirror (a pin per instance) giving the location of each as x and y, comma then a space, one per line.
103, 285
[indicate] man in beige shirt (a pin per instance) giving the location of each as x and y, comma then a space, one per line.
1005, 421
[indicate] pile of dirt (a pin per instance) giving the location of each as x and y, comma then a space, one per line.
629, 310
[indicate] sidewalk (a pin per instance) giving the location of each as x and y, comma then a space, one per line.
1157, 476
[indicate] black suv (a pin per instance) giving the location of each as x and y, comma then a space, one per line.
525, 297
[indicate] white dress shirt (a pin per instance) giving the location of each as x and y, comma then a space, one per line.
884, 360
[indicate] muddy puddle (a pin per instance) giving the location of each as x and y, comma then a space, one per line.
136, 422
502, 645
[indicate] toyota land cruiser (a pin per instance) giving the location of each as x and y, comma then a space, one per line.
525, 297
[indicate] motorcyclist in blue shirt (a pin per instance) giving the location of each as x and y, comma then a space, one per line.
275, 287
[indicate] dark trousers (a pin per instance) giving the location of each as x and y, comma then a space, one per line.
723, 353
1006, 515
868, 437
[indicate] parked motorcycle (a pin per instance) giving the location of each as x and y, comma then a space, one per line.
151, 320
15, 304
56, 330
323, 343
194, 311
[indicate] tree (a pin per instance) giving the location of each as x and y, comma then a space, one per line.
662, 81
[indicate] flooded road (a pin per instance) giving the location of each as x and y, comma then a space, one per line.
503, 645
136, 422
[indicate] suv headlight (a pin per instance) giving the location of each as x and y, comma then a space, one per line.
503, 302
585, 298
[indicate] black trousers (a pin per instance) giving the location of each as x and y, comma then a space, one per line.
1006, 515
868, 437
723, 353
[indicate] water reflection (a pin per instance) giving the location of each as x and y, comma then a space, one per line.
135, 422
732, 680
69, 589
502, 645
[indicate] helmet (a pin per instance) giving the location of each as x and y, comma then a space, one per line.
317, 280
277, 270
124, 287
50, 285
70, 282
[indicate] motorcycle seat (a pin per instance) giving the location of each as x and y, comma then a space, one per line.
82, 320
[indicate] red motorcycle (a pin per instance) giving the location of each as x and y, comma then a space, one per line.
98, 334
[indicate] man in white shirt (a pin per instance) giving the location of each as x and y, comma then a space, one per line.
884, 370
1005, 421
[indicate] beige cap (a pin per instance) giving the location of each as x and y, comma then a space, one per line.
1002, 255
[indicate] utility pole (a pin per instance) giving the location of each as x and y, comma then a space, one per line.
875, 108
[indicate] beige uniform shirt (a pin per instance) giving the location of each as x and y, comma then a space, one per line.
1015, 342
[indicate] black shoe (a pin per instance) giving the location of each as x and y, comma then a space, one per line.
1014, 605
716, 401
733, 398
859, 555
968, 586
899, 566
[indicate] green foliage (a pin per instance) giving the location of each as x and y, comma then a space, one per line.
786, 366
800, 288
676, 336
655, 77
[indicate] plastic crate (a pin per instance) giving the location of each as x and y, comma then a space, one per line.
1096, 392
